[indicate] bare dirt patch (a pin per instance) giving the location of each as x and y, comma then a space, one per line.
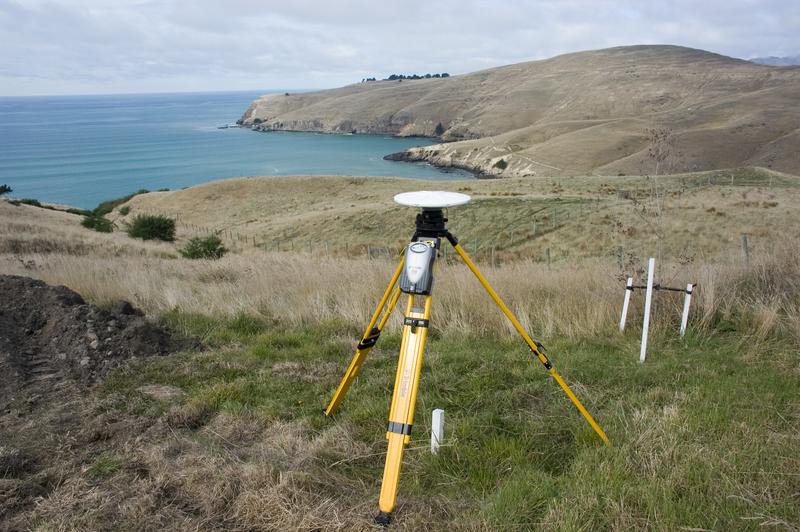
49, 334
53, 347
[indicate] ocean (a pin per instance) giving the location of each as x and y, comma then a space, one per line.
81, 150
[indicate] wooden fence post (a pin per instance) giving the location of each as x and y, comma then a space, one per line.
745, 250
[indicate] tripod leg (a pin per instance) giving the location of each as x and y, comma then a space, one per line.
368, 340
401, 413
535, 349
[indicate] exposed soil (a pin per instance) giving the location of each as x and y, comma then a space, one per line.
49, 335
53, 347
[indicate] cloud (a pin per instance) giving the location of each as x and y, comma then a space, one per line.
70, 46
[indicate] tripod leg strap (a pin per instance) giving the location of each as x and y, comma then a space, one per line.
534, 347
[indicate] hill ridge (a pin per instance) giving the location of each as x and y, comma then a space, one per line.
602, 111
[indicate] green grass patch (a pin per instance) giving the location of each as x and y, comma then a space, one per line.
104, 466
703, 433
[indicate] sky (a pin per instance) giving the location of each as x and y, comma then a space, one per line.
132, 46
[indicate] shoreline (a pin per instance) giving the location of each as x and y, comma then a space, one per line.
401, 156
404, 156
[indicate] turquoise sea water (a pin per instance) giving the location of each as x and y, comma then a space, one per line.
80, 150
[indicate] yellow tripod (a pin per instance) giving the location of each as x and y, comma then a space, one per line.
414, 275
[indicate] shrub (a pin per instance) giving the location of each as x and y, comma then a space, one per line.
152, 227
30, 201
209, 247
501, 164
98, 223
439, 129
82, 212
124, 210
5, 189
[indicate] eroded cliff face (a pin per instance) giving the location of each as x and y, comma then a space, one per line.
631, 110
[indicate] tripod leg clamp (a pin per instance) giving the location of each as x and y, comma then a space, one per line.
370, 340
415, 322
399, 428
540, 355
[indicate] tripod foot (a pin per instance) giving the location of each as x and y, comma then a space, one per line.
383, 518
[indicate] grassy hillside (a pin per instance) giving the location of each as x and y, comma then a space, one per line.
690, 215
602, 112
230, 435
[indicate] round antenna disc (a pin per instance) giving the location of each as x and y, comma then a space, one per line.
431, 199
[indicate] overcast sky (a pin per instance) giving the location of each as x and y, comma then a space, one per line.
96, 46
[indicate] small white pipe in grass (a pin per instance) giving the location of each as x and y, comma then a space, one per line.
686, 302
648, 298
437, 430
627, 301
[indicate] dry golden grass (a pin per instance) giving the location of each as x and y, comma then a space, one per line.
311, 287
698, 215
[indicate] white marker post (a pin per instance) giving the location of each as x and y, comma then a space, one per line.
437, 430
686, 302
628, 290
651, 266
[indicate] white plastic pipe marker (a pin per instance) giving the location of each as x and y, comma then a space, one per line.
625, 304
437, 430
651, 266
686, 302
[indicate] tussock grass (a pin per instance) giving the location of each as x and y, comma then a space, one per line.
569, 300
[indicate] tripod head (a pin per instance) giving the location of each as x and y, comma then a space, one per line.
431, 221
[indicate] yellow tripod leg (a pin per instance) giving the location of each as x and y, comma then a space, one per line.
404, 398
368, 340
534, 347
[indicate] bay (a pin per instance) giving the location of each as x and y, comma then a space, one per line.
81, 150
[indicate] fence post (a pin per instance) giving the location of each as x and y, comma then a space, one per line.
648, 298
686, 302
492, 257
547, 256
745, 250
628, 290
437, 430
